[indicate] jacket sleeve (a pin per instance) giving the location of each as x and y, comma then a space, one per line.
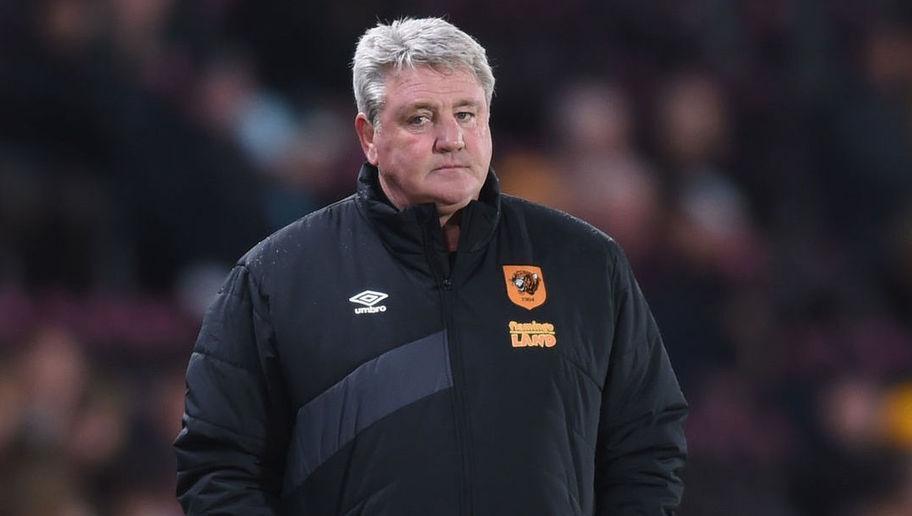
230, 450
641, 447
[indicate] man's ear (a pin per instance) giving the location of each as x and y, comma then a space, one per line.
366, 134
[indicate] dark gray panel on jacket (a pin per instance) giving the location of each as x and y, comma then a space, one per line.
374, 390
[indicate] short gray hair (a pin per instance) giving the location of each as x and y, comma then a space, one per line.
408, 43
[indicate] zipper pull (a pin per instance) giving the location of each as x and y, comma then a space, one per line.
447, 284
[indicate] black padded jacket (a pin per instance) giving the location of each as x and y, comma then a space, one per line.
350, 365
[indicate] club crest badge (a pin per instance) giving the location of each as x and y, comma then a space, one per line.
525, 285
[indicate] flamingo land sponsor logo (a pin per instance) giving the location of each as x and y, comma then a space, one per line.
369, 298
532, 334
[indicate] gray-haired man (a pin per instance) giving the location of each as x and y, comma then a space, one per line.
428, 345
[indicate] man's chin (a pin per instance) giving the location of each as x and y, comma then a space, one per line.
453, 187
453, 197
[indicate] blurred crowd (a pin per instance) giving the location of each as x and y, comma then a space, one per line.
753, 158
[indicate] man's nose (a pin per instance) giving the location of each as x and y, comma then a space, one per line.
449, 136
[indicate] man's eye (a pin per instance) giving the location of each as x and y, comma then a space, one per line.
465, 115
419, 120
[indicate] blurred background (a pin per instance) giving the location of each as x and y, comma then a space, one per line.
754, 158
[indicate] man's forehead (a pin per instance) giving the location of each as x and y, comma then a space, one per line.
426, 79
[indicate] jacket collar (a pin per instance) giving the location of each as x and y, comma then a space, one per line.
416, 228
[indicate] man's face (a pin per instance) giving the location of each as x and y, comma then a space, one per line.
433, 143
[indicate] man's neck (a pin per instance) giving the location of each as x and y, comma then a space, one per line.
450, 225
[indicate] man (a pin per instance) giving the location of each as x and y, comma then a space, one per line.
429, 346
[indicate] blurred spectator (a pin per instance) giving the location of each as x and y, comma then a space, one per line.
867, 151
713, 227
609, 184
852, 470
53, 374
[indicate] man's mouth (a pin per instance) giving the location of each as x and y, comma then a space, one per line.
450, 167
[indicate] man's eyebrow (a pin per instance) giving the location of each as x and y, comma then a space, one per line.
418, 105
467, 102
431, 106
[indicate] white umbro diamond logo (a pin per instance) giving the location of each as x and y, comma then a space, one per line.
369, 298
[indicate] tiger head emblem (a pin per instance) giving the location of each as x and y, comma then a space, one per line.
525, 281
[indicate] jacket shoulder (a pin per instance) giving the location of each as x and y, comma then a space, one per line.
556, 224
296, 240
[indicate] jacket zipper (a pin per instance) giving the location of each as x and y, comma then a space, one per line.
461, 412
445, 284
